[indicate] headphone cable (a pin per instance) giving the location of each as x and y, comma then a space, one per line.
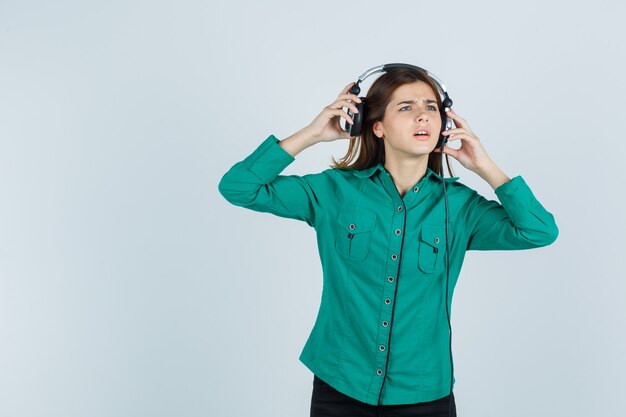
445, 199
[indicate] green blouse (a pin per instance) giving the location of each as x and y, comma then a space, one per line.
383, 264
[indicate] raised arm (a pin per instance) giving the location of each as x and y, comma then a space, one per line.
255, 182
519, 221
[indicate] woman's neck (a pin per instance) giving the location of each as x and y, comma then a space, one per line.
406, 172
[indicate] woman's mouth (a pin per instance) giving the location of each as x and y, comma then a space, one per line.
421, 135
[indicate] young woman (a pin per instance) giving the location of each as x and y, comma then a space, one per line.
381, 341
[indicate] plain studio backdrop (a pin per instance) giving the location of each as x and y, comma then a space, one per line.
129, 287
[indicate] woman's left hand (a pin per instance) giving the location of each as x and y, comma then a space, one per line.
471, 154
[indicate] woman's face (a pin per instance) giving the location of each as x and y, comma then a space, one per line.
413, 108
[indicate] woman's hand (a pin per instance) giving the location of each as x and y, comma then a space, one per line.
325, 127
471, 154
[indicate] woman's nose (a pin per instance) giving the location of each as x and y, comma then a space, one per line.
422, 116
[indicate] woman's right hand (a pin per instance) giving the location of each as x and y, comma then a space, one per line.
325, 127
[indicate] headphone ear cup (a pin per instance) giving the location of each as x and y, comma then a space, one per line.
446, 124
357, 118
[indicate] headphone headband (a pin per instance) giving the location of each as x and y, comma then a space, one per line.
443, 92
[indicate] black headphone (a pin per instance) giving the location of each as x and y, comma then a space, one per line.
357, 118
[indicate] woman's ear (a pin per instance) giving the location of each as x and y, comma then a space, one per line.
378, 130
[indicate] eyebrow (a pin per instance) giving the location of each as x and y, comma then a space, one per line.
413, 101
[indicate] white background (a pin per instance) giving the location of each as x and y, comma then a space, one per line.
130, 287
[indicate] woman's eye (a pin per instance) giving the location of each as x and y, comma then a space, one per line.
431, 107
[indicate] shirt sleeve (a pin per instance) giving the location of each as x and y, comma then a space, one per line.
519, 221
255, 183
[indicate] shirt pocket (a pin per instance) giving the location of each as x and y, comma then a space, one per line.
431, 248
354, 234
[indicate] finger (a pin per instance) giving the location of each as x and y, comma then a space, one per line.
350, 96
447, 150
347, 88
454, 131
464, 138
341, 113
344, 103
452, 114
340, 128
458, 130
457, 119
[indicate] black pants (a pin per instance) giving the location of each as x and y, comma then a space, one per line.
328, 402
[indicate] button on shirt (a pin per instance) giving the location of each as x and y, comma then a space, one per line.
381, 334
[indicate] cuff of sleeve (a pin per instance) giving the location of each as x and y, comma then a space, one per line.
516, 198
269, 159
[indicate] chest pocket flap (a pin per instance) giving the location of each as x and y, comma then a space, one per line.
354, 234
432, 248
